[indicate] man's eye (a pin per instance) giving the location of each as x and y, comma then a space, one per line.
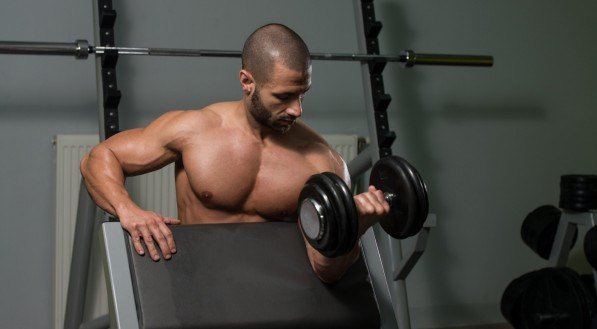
283, 97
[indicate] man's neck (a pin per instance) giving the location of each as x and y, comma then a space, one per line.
253, 127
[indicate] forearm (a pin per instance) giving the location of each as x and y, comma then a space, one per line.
331, 270
104, 179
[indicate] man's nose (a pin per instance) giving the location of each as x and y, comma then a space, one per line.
296, 108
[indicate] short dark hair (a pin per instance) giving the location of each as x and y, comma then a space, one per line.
270, 44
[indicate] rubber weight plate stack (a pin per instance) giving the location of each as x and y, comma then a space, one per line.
590, 246
510, 304
410, 206
539, 229
352, 217
548, 298
329, 224
578, 192
553, 300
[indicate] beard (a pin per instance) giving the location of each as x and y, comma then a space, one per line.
265, 117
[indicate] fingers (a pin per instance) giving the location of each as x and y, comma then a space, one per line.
372, 202
137, 243
151, 229
171, 221
148, 239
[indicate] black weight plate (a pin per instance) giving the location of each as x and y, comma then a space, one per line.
313, 191
590, 246
585, 298
510, 303
578, 179
409, 211
422, 196
579, 198
339, 217
587, 187
552, 300
579, 186
352, 216
539, 229
578, 206
421, 192
577, 193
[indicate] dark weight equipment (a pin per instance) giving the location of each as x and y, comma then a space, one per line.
539, 229
578, 192
329, 217
590, 246
549, 298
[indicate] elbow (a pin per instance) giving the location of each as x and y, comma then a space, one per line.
332, 270
83, 165
327, 274
328, 278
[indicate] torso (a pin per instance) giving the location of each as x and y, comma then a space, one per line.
226, 175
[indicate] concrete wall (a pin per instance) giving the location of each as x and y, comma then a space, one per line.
491, 143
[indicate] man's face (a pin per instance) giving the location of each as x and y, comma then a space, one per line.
278, 103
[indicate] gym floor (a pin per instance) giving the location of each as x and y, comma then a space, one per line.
484, 326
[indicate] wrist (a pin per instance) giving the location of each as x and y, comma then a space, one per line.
124, 209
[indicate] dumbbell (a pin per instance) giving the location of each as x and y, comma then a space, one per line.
539, 227
328, 215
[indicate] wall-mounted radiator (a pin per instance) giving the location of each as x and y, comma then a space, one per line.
153, 191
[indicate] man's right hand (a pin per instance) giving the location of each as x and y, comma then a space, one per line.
151, 228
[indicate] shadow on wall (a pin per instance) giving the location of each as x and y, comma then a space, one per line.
413, 123
407, 103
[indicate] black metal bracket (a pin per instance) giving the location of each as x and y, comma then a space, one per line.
111, 100
381, 100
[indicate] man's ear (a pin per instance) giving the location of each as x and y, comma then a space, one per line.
247, 82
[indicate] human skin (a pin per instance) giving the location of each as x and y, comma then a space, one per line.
242, 161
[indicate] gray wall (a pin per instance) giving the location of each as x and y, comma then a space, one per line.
491, 143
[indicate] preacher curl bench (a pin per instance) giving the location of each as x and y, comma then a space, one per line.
248, 275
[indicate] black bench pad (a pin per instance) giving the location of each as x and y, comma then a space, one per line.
250, 275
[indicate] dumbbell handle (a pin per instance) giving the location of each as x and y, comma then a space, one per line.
546, 319
391, 198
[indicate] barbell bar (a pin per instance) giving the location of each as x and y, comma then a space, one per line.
81, 49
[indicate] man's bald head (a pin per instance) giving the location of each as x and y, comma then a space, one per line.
271, 44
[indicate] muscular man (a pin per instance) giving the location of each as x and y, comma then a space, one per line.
243, 161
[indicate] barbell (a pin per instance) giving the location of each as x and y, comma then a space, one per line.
81, 49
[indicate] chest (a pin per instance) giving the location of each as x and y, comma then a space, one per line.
249, 178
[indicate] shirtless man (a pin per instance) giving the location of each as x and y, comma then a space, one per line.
243, 161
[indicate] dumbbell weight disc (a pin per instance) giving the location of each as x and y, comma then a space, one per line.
339, 217
539, 228
565, 193
410, 207
578, 199
578, 179
352, 216
552, 300
336, 225
577, 206
314, 211
590, 246
510, 303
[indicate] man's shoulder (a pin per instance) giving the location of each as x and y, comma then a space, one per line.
313, 143
302, 131
208, 117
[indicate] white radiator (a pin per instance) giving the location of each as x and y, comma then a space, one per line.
69, 151
153, 191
